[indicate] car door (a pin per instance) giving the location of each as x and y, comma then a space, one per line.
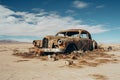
85, 40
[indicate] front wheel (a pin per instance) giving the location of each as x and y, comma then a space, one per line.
70, 49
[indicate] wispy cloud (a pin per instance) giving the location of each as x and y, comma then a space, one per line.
70, 11
116, 28
38, 9
39, 24
80, 4
100, 6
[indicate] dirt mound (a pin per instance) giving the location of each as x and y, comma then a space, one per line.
24, 55
88, 58
98, 76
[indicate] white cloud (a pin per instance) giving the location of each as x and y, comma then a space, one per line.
39, 24
80, 4
5, 11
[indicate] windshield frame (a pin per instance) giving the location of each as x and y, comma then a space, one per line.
69, 34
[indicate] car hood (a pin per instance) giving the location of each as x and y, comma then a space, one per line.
51, 37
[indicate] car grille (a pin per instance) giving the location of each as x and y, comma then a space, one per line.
45, 43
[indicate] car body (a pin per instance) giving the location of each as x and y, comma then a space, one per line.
67, 41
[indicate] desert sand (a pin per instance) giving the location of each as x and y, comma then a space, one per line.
18, 68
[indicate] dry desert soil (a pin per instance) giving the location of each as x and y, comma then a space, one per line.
101, 65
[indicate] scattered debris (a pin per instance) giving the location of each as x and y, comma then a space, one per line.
68, 62
76, 58
52, 57
109, 48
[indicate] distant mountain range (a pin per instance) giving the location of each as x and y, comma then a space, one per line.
11, 41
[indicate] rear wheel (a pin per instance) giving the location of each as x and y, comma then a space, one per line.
94, 45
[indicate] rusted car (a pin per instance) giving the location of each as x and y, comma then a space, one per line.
66, 41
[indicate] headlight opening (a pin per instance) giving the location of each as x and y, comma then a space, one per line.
60, 42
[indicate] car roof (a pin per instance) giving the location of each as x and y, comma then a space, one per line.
73, 30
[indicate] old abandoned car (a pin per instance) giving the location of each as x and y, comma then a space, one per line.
66, 41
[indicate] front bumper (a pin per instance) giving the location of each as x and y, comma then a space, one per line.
52, 50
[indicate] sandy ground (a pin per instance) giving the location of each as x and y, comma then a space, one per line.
18, 68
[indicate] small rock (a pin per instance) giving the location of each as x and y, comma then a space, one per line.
52, 57
109, 48
68, 62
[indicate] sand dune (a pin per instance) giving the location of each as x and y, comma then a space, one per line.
90, 67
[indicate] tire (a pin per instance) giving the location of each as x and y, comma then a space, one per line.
94, 45
70, 49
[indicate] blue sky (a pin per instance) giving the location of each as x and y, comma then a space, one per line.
26, 20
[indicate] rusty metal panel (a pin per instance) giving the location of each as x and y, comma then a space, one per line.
70, 37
